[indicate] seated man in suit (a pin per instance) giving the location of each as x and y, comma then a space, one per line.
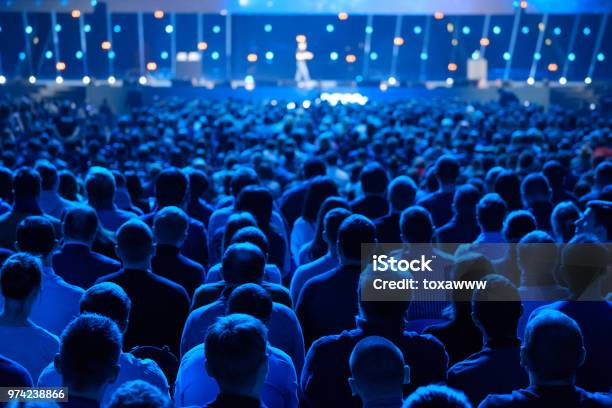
402, 192
374, 181
75, 261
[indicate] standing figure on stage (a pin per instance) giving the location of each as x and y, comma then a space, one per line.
302, 75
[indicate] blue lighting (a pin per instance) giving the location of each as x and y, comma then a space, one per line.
78, 54
424, 56
87, 28
169, 29
557, 31
111, 54
525, 30
497, 30
214, 55
476, 55
164, 55
94, 3
268, 28
571, 56
369, 30
586, 31
216, 29
601, 57
329, 28
333, 55
465, 30
507, 56
22, 56
358, 78
58, 28
117, 28
418, 30
373, 56
537, 56
249, 79
48, 55
269, 55
29, 30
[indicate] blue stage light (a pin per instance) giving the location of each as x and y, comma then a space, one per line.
29, 30
164, 55
87, 28
507, 56
571, 56
216, 29
48, 54
22, 56
369, 30
269, 55
169, 28
417, 30
586, 31
214, 55
329, 28
537, 56
268, 28
557, 31
333, 55
94, 3
373, 56
358, 78
601, 57
78, 54
58, 28
497, 30
465, 30
117, 28
525, 30
111, 54
424, 56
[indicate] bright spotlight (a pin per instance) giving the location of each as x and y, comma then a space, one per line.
32, 79
530, 81
306, 104
142, 80
449, 81
59, 79
392, 81
2, 80
269, 55
111, 80
86, 80
563, 80
588, 80
169, 29
291, 105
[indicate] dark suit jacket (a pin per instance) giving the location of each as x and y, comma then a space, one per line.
211, 292
371, 206
388, 229
159, 309
292, 203
200, 210
80, 266
169, 263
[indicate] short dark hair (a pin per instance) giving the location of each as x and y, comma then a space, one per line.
100, 184
251, 299
553, 344
447, 169
80, 223
243, 263
258, 201
603, 174
319, 189
171, 187
602, 210
377, 364
26, 183
466, 199
374, 178
490, 212
312, 167
537, 254
48, 174
36, 235
535, 185
110, 300
242, 177
355, 230
563, 220
198, 182
518, 224
89, 350
402, 192
236, 222
138, 394
170, 224
584, 260
20, 275
332, 221
235, 348
497, 307
135, 240
439, 396
416, 225
253, 235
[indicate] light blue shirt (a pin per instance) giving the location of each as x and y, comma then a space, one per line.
130, 369
284, 328
302, 233
310, 270
194, 387
31, 346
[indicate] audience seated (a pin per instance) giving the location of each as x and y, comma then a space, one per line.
596, 220
49, 200
101, 189
159, 306
13, 374
170, 230
75, 261
463, 227
402, 193
109, 300
496, 368
374, 181
563, 221
378, 373
436, 396
439, 203
537, 196
292, 200
195, 387
552, 351
138, 394
197, 207
516, 225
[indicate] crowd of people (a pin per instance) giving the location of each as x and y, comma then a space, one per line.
208, 253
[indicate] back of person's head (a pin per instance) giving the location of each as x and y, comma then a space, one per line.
535, 188
603, 174
68, 186
48, 174
447, 169
374, 179
377, 369
170, 226
490, 212
496, 309
242, 177
138, 394
563, 220
583, 262
20, 277
236, 222
508, 186
254, 236
601, 218
134, 242
251, 299
80, 224
538, 256
466, 199
518, 224
89, 353
470, 267
319, 189
26, 183
6, 185
436, 396
491, 176
553, 347
354, 230
313, 167
198, 183
258, 201
331, 224
402, 192
243, 263
110, 300
100, 185
171, 187
416, 225
35, 235
236, 353
554, 173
